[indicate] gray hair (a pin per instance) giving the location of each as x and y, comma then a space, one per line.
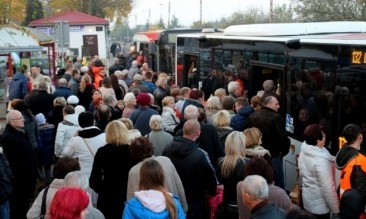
77, 179
156, 123
232, 86
108, 99
191, 112
42, 85
256, 186
10, 115
268, 85
268, 100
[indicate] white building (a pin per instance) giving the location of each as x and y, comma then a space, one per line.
86, 35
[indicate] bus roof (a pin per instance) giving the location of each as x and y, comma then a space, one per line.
358, 38
149, 36
296, 29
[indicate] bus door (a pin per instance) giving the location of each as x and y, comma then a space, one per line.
260, 72
189, 69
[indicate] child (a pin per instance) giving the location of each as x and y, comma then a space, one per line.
120, 105
44, 152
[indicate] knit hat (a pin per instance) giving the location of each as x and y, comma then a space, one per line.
138, 77
73, 100
143, 99
40, 119
84, 69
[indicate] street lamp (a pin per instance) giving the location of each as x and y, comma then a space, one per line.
168, 13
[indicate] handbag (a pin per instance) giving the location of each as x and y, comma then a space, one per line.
295, 194
214, 202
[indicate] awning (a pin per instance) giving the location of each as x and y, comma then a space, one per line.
4, 50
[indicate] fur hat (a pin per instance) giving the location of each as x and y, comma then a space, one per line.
40, 119
72, 100
143, 99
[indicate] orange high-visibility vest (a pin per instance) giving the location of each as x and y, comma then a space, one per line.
345, 181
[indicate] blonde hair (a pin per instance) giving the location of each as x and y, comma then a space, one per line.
253, 136
221, 118
167, 100
116, 133
84, 80
221, 92
128, 123
213, 103
234, 150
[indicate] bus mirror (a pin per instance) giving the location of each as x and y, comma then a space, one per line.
293, 44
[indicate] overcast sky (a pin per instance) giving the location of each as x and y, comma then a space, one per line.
188, 11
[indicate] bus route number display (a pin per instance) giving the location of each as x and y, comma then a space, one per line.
358, 57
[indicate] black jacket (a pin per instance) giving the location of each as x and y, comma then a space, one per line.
6, 177
193, 167
272, 126
21, 160
41, 103
210, 142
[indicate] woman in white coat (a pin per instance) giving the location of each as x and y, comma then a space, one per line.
317, 171
169, 116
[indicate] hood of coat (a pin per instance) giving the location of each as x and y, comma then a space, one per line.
223, 131
73, 118
18, 76
314, 151
181, 146
345, 155
152, 199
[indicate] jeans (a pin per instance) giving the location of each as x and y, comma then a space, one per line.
4, 210
278, 167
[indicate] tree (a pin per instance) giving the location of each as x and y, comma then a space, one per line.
11, 10
33, 11
174, 23
283, 14
160, 23
329, 10
108, 9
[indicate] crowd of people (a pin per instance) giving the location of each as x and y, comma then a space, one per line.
125, 144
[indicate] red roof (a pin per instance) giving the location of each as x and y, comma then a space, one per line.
73, 18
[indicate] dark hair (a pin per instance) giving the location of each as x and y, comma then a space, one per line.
260, 166
242, 101
351, 133
86, 119
195, 94
75, 71
228, 103
299, 214
65, 165
68, 109
312, 134
104, 112
148, 75
141, 148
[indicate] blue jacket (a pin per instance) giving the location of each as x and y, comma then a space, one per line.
141, 118
240, 120
134, 210
18, 86
62, 92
